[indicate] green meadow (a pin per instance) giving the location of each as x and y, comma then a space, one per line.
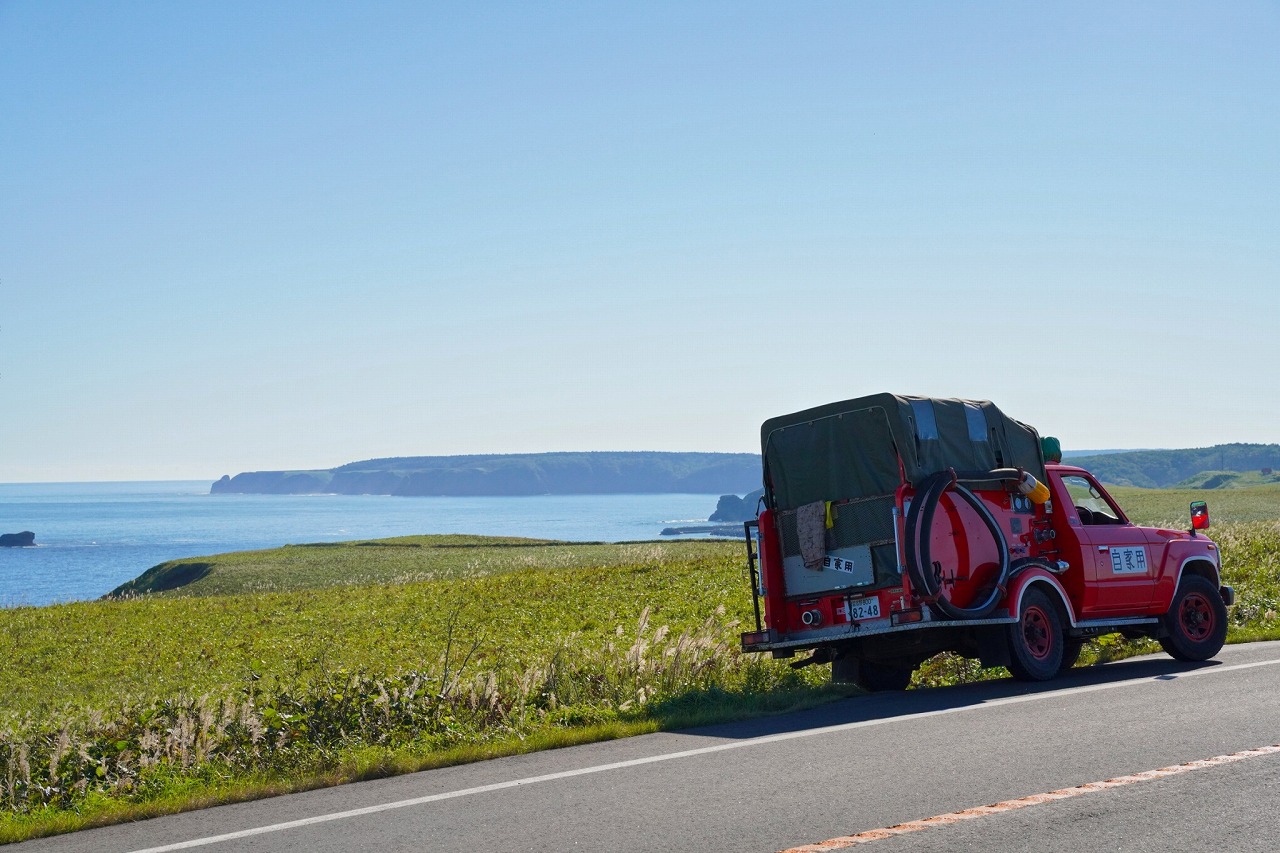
242, 675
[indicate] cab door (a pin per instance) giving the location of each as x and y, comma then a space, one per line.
1120, 564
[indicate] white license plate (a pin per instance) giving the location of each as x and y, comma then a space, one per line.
864, 608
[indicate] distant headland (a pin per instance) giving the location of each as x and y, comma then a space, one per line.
725, 474
599, 473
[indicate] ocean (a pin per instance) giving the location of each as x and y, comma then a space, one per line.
92, 537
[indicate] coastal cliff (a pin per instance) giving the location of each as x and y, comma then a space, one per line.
514, 474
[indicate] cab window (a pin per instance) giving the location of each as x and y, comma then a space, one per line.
1091, 504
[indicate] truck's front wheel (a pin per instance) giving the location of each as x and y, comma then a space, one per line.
1035, 640
1196, 624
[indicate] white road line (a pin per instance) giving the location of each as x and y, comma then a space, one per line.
910, 826
691, 753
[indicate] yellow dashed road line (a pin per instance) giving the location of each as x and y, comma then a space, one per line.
1033, 800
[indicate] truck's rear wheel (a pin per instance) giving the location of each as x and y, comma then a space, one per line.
1196, 624
1035, 640
884, 676
850, 669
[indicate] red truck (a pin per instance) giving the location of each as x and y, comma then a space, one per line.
895, 528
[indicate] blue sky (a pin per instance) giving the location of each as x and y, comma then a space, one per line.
241, 236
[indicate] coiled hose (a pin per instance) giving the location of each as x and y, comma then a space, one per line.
919, 525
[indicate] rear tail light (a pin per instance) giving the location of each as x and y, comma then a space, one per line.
904, 617
754, 638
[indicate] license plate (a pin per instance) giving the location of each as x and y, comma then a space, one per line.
863, 608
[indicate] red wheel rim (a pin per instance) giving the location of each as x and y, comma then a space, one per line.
1036, 633
1196, 616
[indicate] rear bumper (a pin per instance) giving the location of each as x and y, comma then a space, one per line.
769, 640
1228, 595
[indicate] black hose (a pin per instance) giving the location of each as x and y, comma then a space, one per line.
919, 525
924, 495
985, 608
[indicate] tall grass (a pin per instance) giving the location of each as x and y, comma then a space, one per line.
284, 725
353, 712
1251, 561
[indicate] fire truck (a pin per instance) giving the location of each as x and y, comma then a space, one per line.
894, 528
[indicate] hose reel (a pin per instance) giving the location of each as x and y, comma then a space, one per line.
919, 525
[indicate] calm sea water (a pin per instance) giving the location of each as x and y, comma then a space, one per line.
92, 537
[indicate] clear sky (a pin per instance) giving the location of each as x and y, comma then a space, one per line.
243, 236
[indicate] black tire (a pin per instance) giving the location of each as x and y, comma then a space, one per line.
884, 676
845, 669
1071, 649
874, 677
1036, 642
1196, 625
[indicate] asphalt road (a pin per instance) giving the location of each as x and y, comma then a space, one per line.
847, 768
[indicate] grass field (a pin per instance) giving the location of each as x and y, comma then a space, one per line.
406, 559
499, 598
136, 706
1168, 507
309, 665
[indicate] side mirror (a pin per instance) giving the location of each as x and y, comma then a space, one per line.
1199, 516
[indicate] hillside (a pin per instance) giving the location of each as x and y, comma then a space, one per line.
514, 474
1201, 467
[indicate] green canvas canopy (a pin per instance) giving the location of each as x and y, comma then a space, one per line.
851, 449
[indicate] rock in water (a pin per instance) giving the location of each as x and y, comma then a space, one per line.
734, 508
24, 539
